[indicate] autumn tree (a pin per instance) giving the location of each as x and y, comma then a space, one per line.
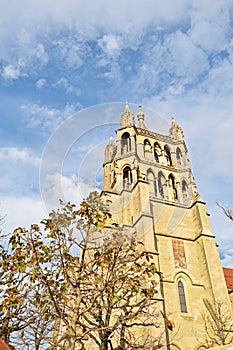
78, 282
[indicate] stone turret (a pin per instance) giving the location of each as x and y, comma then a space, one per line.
141, 123
110, 149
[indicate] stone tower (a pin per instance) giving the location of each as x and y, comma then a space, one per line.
150, 187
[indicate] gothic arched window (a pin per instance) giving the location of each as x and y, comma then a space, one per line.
179, 157
147, 148
167, 155
157, 152
185, 191
183, 305
172, 185
125, 143
162, 185
152, 183
127, 177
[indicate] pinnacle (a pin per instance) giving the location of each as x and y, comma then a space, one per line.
127, 110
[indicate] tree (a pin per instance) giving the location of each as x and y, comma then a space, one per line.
79, 281
227, 211
218, 324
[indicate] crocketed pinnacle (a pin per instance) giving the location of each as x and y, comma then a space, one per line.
127, 118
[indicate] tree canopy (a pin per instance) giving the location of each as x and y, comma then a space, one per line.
78, 282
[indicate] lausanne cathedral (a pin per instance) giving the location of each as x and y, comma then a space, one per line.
151, 189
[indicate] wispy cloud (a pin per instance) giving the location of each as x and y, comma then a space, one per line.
64, 84
47, 118
14, 154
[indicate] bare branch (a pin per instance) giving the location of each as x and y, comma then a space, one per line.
227, 211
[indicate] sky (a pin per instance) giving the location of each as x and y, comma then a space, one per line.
66, 70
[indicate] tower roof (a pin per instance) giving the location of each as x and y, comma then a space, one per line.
228, 274
140, 115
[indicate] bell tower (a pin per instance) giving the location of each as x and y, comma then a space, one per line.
149, 185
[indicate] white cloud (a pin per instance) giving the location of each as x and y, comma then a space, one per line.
19, 172
24, 56
14, 154
124, 15
220, 79
47, 118
64, 84
183, 58
21, 211
40, 83
227, 260
11, 72
69, 50
67, 188
172, 62
210, 24
114, 27
110, 44
40, 53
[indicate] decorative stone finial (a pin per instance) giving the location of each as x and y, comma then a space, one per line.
111, 140
127, 110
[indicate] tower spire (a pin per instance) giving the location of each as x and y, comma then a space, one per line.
127, 118
140, 115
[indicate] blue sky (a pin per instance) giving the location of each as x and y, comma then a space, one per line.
61, 58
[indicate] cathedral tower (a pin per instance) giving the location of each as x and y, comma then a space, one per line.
150, 187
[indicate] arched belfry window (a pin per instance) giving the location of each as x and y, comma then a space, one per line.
157, 152
127, 177
152, 182
162, 185
125, 143
185, 192
147, 148
183, 305
179, 157
172, 186
167, 155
